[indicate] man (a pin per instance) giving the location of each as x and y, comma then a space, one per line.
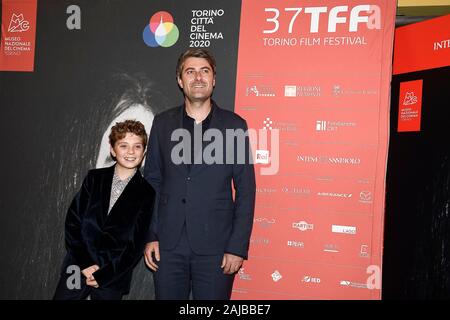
199, 235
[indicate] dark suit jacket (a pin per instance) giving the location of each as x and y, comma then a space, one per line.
202, 197
114, 242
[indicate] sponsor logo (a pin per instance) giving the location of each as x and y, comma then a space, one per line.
364, 251
347, 283
276, 276
325, 125
444, 44
365, 197
321, 125
338, 91
161, 31
18, 35
266, 190
302, 91
264, 222
343, 229
329, 247
257, 241
296, 191
267, 124
410, 99
334, 194
18, 23
295, 244
290, 91
303, 226
325, 178
410, 106
262, 156
329, 160
244, 276
260, 91
309, 279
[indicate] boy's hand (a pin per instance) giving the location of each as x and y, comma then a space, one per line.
92, 282
89, 271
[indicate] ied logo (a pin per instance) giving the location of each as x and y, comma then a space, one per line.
309, 279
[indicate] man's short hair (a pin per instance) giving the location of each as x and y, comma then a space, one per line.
195, 53
120, 130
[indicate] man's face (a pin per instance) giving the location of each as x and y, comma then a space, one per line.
197, 79
128, 151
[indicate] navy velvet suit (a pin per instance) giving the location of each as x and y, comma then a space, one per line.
113, 241
198, 200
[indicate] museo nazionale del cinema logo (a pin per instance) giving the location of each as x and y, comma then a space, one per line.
160, 31
18, 23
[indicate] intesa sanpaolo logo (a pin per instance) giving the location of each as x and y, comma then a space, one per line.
161, 31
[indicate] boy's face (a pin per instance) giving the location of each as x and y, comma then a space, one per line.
128, 151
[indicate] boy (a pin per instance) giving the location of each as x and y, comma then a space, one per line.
107, 223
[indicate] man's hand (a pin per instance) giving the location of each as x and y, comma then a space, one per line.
90, 280
231, 263
150, 248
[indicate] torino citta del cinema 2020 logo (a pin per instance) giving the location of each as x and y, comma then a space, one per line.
161, 31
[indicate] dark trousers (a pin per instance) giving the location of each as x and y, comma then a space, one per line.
64, 293
181, 270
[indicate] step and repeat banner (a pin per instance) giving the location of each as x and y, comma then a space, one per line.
318, 72
310, 77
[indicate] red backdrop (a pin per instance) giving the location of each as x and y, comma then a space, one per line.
319, 73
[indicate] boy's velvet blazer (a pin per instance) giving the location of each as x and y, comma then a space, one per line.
114, 241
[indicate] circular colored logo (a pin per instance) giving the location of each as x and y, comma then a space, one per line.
161, 31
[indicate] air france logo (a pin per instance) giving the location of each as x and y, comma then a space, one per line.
161, 31
18, 23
